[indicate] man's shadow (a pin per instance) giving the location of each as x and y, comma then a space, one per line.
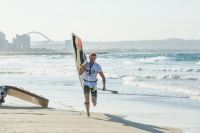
144, 127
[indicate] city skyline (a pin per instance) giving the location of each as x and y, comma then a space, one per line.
102, 20
19, 42
24, 43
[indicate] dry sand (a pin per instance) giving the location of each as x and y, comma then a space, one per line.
39, 120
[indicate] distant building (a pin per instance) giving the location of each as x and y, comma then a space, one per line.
2, 39
2, 36
4, 44
22, 42
67, 44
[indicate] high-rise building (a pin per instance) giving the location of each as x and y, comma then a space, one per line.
22, 42
4, 45
2, 36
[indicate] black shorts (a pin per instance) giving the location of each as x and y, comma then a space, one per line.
87, 90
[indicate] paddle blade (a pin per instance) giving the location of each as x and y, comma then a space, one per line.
114, 92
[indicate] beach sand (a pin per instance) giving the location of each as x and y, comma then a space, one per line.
40, 120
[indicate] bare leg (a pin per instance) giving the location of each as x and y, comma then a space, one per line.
2, 100
94, 100
87, 103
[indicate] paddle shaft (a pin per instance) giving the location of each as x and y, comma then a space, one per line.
108, 90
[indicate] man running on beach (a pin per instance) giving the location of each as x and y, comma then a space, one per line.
89, 74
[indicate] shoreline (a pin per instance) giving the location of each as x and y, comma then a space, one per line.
36, 119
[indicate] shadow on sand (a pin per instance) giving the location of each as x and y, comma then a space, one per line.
30, 110
144, 127
18, 107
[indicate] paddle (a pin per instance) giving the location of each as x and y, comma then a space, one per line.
114, 92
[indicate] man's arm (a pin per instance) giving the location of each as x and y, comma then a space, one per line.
103, 80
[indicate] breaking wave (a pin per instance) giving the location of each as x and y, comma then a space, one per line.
152, 59
163, 89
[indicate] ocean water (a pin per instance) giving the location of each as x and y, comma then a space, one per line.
154, 87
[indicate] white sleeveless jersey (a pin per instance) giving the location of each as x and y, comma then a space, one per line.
90, 74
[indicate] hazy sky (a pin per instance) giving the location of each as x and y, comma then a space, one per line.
102, 20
